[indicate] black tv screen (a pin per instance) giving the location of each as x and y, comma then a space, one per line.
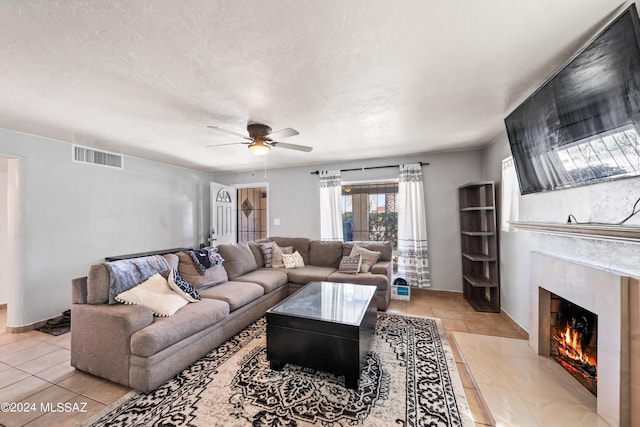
581, 126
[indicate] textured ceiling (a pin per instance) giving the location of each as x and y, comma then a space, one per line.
358, 79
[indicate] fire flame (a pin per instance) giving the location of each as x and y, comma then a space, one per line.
570, 346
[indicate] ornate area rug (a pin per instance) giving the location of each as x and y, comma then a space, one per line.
410, 379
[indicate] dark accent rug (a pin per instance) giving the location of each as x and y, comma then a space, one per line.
410, 379
55, 330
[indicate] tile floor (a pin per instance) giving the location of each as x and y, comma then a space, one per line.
34, 367
523, 389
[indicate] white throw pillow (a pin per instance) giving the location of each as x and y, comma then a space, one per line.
293, 260
299, 261
155, 294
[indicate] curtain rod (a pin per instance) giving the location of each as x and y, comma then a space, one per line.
369, 167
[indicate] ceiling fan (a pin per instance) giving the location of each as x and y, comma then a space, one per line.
261, 139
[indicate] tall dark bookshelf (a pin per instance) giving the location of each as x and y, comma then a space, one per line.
479, 244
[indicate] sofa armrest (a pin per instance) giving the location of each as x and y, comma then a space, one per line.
101, 337
383, 267
79, 290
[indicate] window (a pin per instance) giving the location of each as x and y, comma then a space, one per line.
370, 212
252, 214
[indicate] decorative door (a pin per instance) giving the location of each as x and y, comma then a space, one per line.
223, 219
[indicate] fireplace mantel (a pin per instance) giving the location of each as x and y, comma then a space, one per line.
629, 234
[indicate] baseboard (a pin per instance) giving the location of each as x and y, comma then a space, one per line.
513, 323
26, 328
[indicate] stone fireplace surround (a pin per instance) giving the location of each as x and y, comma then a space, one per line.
607, 294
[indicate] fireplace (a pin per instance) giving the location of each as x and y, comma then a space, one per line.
574, 340
605, 294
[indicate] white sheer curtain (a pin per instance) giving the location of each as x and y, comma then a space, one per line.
413, 255
330, 205
510, 194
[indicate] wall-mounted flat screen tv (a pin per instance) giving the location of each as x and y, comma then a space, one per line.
582, 126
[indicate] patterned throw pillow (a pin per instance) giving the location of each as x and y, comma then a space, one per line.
267, 253
297, 258
182, 287
350, 264
293, 260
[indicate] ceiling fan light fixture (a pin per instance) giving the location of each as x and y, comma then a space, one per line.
259, 148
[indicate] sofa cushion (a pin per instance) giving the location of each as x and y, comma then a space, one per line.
238, 259
267, 278
384, 248
300, 244
236, 294
212, 276
325, 253
155, 294
166, 331
377, 280
309, 273
258, 254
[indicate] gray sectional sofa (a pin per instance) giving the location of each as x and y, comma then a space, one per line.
128, 345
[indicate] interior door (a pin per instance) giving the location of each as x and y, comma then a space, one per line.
223, 218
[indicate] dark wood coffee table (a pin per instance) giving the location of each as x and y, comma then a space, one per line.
325, 326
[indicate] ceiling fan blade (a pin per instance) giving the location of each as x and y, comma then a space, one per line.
291, 146
282, 133
229, 132
230, 143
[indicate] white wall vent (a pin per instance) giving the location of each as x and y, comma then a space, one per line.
96, 157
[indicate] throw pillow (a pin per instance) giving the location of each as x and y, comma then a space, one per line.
155, 294
369, 258
293, 260
297, 258
351, 264
288, 261
267, 253
182, 287
277, 255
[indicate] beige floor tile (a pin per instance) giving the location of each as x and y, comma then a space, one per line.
57, 373
38, 404
465, 375
455, 325
23, 351
46, 361
95, 388
424, 311
506, 407
81, 409
557, 411
477, 406
10, 376
63, 340
22, 389
6, 338
460, 315
397, 307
